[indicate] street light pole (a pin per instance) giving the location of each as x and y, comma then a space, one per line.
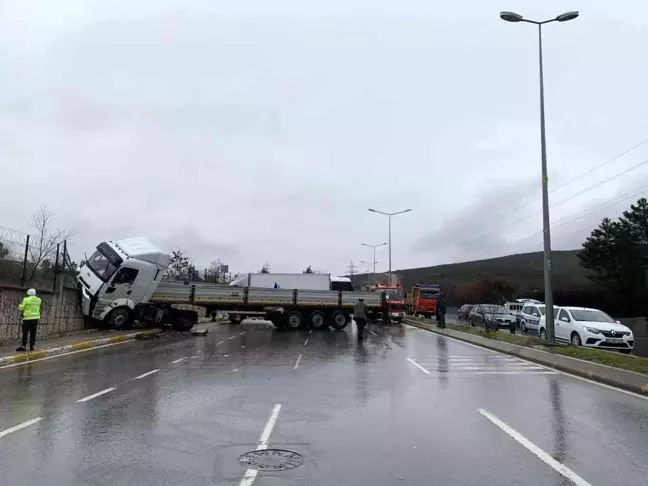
546, 230
374, 258
389, 215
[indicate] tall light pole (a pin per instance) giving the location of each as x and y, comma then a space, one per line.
374, 257
549, 316
389, 215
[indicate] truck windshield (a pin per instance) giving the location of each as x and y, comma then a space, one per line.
429, 295
392, 294
101, 266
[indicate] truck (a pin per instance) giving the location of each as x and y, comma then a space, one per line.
122, 281
422, 299
301, 281
394, 307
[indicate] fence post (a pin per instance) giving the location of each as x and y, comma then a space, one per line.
56, 266
24, 268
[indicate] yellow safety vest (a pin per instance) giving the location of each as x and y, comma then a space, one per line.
30, 307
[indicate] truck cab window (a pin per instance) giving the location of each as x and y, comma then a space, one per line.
125, 276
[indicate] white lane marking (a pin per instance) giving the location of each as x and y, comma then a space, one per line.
219, 342
530, 372
13, 365
232, 337
310, 332
386, 343
194, 356
530, 446
251, 474
145, 374
297, 363
427, 372
306, 342
242, 333
371, 332
20, 426
179, 360
554, 370
95, 395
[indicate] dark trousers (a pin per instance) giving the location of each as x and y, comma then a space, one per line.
29, 327
361, 323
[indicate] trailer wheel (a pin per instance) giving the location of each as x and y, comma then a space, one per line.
339, 319
119, 318
235, 318
294, 320
318, 320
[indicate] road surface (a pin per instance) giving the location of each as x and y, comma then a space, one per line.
405, 407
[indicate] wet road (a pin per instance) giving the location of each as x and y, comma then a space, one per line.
405, 407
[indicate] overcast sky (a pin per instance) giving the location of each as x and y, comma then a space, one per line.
263, 130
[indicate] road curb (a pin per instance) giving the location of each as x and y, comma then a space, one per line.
628, 380
34, 355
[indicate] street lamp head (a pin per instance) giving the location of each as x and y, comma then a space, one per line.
383, 244
373, 210
567, 16
511, 17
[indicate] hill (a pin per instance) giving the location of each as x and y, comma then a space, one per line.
524, 271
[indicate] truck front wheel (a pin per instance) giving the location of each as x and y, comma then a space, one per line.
183, 321
339, 319
119, 318
235, 318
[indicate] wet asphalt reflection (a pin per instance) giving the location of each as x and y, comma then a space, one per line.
403, 406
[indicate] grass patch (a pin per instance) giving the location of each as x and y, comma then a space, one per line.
609, 358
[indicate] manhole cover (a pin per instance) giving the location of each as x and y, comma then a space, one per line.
271, 460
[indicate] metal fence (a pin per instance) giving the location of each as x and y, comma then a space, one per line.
27, 262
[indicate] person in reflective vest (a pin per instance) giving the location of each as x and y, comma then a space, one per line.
30, 308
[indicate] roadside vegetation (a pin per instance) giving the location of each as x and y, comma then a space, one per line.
609, 358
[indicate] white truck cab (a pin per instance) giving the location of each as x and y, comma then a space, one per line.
118, 276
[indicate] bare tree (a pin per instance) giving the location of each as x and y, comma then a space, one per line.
42, 246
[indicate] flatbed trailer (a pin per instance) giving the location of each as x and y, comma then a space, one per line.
285, 308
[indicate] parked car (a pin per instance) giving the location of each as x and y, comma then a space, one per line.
531, 314
515, 308
464, 312
490, 316
592, 328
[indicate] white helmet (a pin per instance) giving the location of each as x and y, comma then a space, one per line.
31, 292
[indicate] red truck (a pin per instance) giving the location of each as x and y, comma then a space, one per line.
395, 300
422, 300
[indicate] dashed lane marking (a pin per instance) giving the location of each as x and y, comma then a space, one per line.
297, 362
306, 342
427, 372
20, 426
559, 467
179, 360
144, 375
95, 395
232, 337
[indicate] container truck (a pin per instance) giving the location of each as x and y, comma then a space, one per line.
122, 281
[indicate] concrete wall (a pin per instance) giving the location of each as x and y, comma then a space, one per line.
60, 314
639, 327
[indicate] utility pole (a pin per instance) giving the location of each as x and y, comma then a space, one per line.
515, 17
389, 215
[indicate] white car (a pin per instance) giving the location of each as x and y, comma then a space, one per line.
531, 314
592, 328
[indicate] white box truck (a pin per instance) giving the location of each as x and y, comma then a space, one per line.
122, 281
300, 281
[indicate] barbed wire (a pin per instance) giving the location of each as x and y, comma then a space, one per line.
10, 235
